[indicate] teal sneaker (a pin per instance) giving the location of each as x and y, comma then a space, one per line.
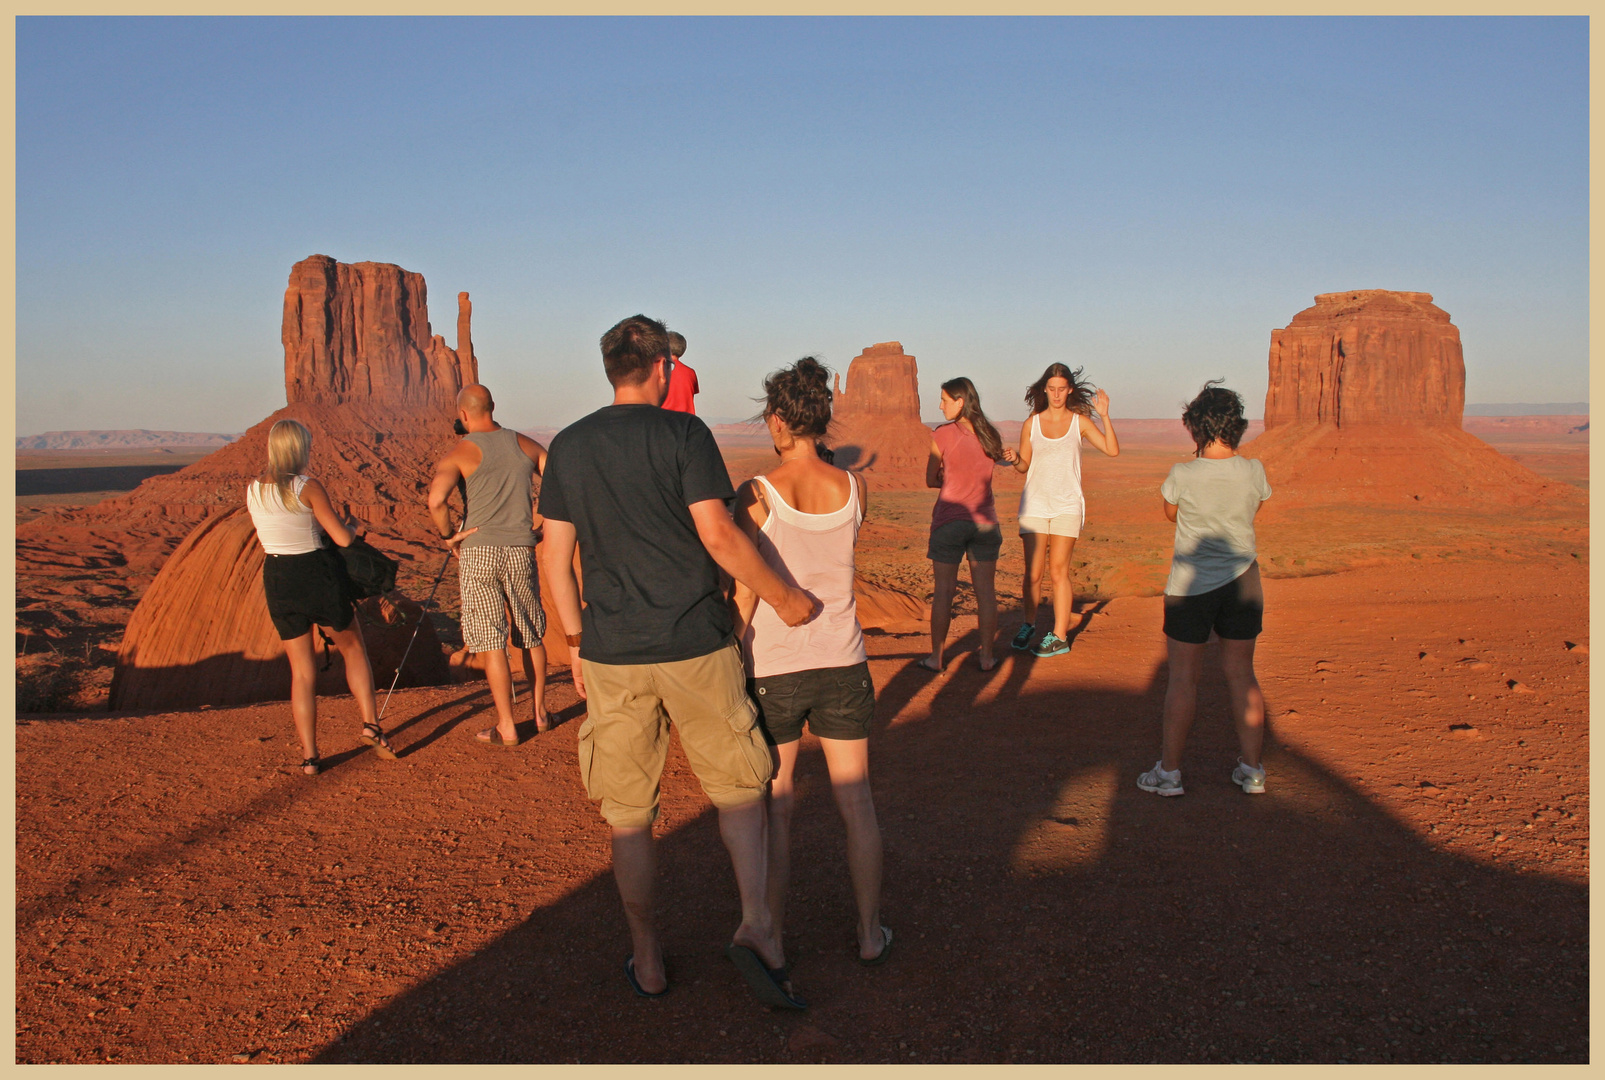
1022, 637
1051, 645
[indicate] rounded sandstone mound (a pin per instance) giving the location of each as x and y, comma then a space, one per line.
201, 634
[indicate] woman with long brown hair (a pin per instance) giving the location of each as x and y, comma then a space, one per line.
1051, 504
964, 521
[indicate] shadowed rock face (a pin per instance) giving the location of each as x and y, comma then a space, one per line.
360, 332
1364, 357
876, 426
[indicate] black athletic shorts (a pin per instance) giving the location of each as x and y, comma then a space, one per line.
1236, 610
836, 703
307, 589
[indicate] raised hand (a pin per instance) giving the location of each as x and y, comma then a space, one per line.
1101, 403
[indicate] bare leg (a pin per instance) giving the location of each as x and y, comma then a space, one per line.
359, 673
947, 580
744, 830
1064, 597
848, 762
1248, 704
535, 674
983, 577
1036, 551
782, 801
304, 692
635, 868
1181, 699
500, 676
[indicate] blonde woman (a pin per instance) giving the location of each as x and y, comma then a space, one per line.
306, 584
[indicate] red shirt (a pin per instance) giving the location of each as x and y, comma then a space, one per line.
682, 388
966, 493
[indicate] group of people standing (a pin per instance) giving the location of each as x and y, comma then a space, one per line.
731, 614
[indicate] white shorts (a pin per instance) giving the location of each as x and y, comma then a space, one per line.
1063, 525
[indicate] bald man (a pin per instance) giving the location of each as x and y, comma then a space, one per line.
495, 551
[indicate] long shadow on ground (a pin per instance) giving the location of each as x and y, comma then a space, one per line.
1048, 911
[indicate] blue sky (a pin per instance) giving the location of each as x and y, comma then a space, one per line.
1147, 198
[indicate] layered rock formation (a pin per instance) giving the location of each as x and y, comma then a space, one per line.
1364, 405
876, 426
201, 634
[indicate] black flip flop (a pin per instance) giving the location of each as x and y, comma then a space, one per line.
886, 949
767, 982
629, 973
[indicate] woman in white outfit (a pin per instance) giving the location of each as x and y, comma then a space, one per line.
1051, 505
306, 584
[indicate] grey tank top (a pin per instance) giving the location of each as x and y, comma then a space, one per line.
499, 502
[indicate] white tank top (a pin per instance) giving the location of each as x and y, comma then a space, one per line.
281, 530
1053, 482
813, 552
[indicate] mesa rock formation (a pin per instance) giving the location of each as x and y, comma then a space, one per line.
201, 634
377, 389
1364, 403
876, 426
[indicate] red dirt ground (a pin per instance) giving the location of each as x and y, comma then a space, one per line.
1412, 887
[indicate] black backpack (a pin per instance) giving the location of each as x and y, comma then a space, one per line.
372, 572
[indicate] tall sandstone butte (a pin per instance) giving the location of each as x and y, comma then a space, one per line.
1364, 404
876, 426
377, 389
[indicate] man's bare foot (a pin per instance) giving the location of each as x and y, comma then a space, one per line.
932, 664
769, 949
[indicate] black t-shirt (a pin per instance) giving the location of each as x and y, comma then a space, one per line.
625, 477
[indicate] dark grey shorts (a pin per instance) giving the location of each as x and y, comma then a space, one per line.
1236, 611
951, 542
836, 703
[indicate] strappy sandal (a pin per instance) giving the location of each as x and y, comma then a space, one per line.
312, 766
374, 736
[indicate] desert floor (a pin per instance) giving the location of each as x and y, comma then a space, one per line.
1413, 886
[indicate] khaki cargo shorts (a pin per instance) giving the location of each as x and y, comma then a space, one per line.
625, 738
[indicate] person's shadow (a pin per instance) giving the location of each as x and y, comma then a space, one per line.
1046, 910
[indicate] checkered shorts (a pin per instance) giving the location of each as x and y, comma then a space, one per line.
492, 581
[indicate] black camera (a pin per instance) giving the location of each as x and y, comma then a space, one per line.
459, 427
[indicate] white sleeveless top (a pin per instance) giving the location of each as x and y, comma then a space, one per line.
813, 552
1053, 482
281, 530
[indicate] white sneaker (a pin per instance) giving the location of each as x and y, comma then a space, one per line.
1160, 782
1248, 778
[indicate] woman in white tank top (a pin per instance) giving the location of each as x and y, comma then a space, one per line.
1051, 505
306, 584
804, 518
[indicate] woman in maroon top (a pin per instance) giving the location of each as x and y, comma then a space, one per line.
964, 522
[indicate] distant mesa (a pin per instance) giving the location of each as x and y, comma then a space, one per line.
120, 440
876, 426
1365, 403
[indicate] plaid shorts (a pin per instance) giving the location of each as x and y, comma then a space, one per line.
494, 580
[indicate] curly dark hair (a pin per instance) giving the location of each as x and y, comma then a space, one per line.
1079, 399
1216, 413
800, 395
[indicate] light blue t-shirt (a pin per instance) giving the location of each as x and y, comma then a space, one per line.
1215, 499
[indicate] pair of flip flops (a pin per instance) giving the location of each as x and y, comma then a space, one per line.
772, 985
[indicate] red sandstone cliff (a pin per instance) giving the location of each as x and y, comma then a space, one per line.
1364, 406
876, 426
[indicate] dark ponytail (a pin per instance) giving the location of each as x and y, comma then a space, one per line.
962, 389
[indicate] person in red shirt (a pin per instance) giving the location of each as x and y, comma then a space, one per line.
683, 386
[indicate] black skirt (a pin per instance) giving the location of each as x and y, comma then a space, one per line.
307, 589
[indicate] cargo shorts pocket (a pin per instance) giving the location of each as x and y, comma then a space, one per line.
585, 745
743, 721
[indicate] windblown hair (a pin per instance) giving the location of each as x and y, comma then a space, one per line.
676, 344
289, 448
1216, 413
630, 349
962, 389
1079, 400
800, 396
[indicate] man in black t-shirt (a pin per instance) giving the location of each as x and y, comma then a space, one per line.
642, 492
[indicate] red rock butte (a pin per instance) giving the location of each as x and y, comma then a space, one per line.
1364, 404
377, 389
876, 426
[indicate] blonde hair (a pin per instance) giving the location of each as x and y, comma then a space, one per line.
289, 448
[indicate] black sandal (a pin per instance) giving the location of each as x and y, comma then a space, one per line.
312, 766
378, 741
